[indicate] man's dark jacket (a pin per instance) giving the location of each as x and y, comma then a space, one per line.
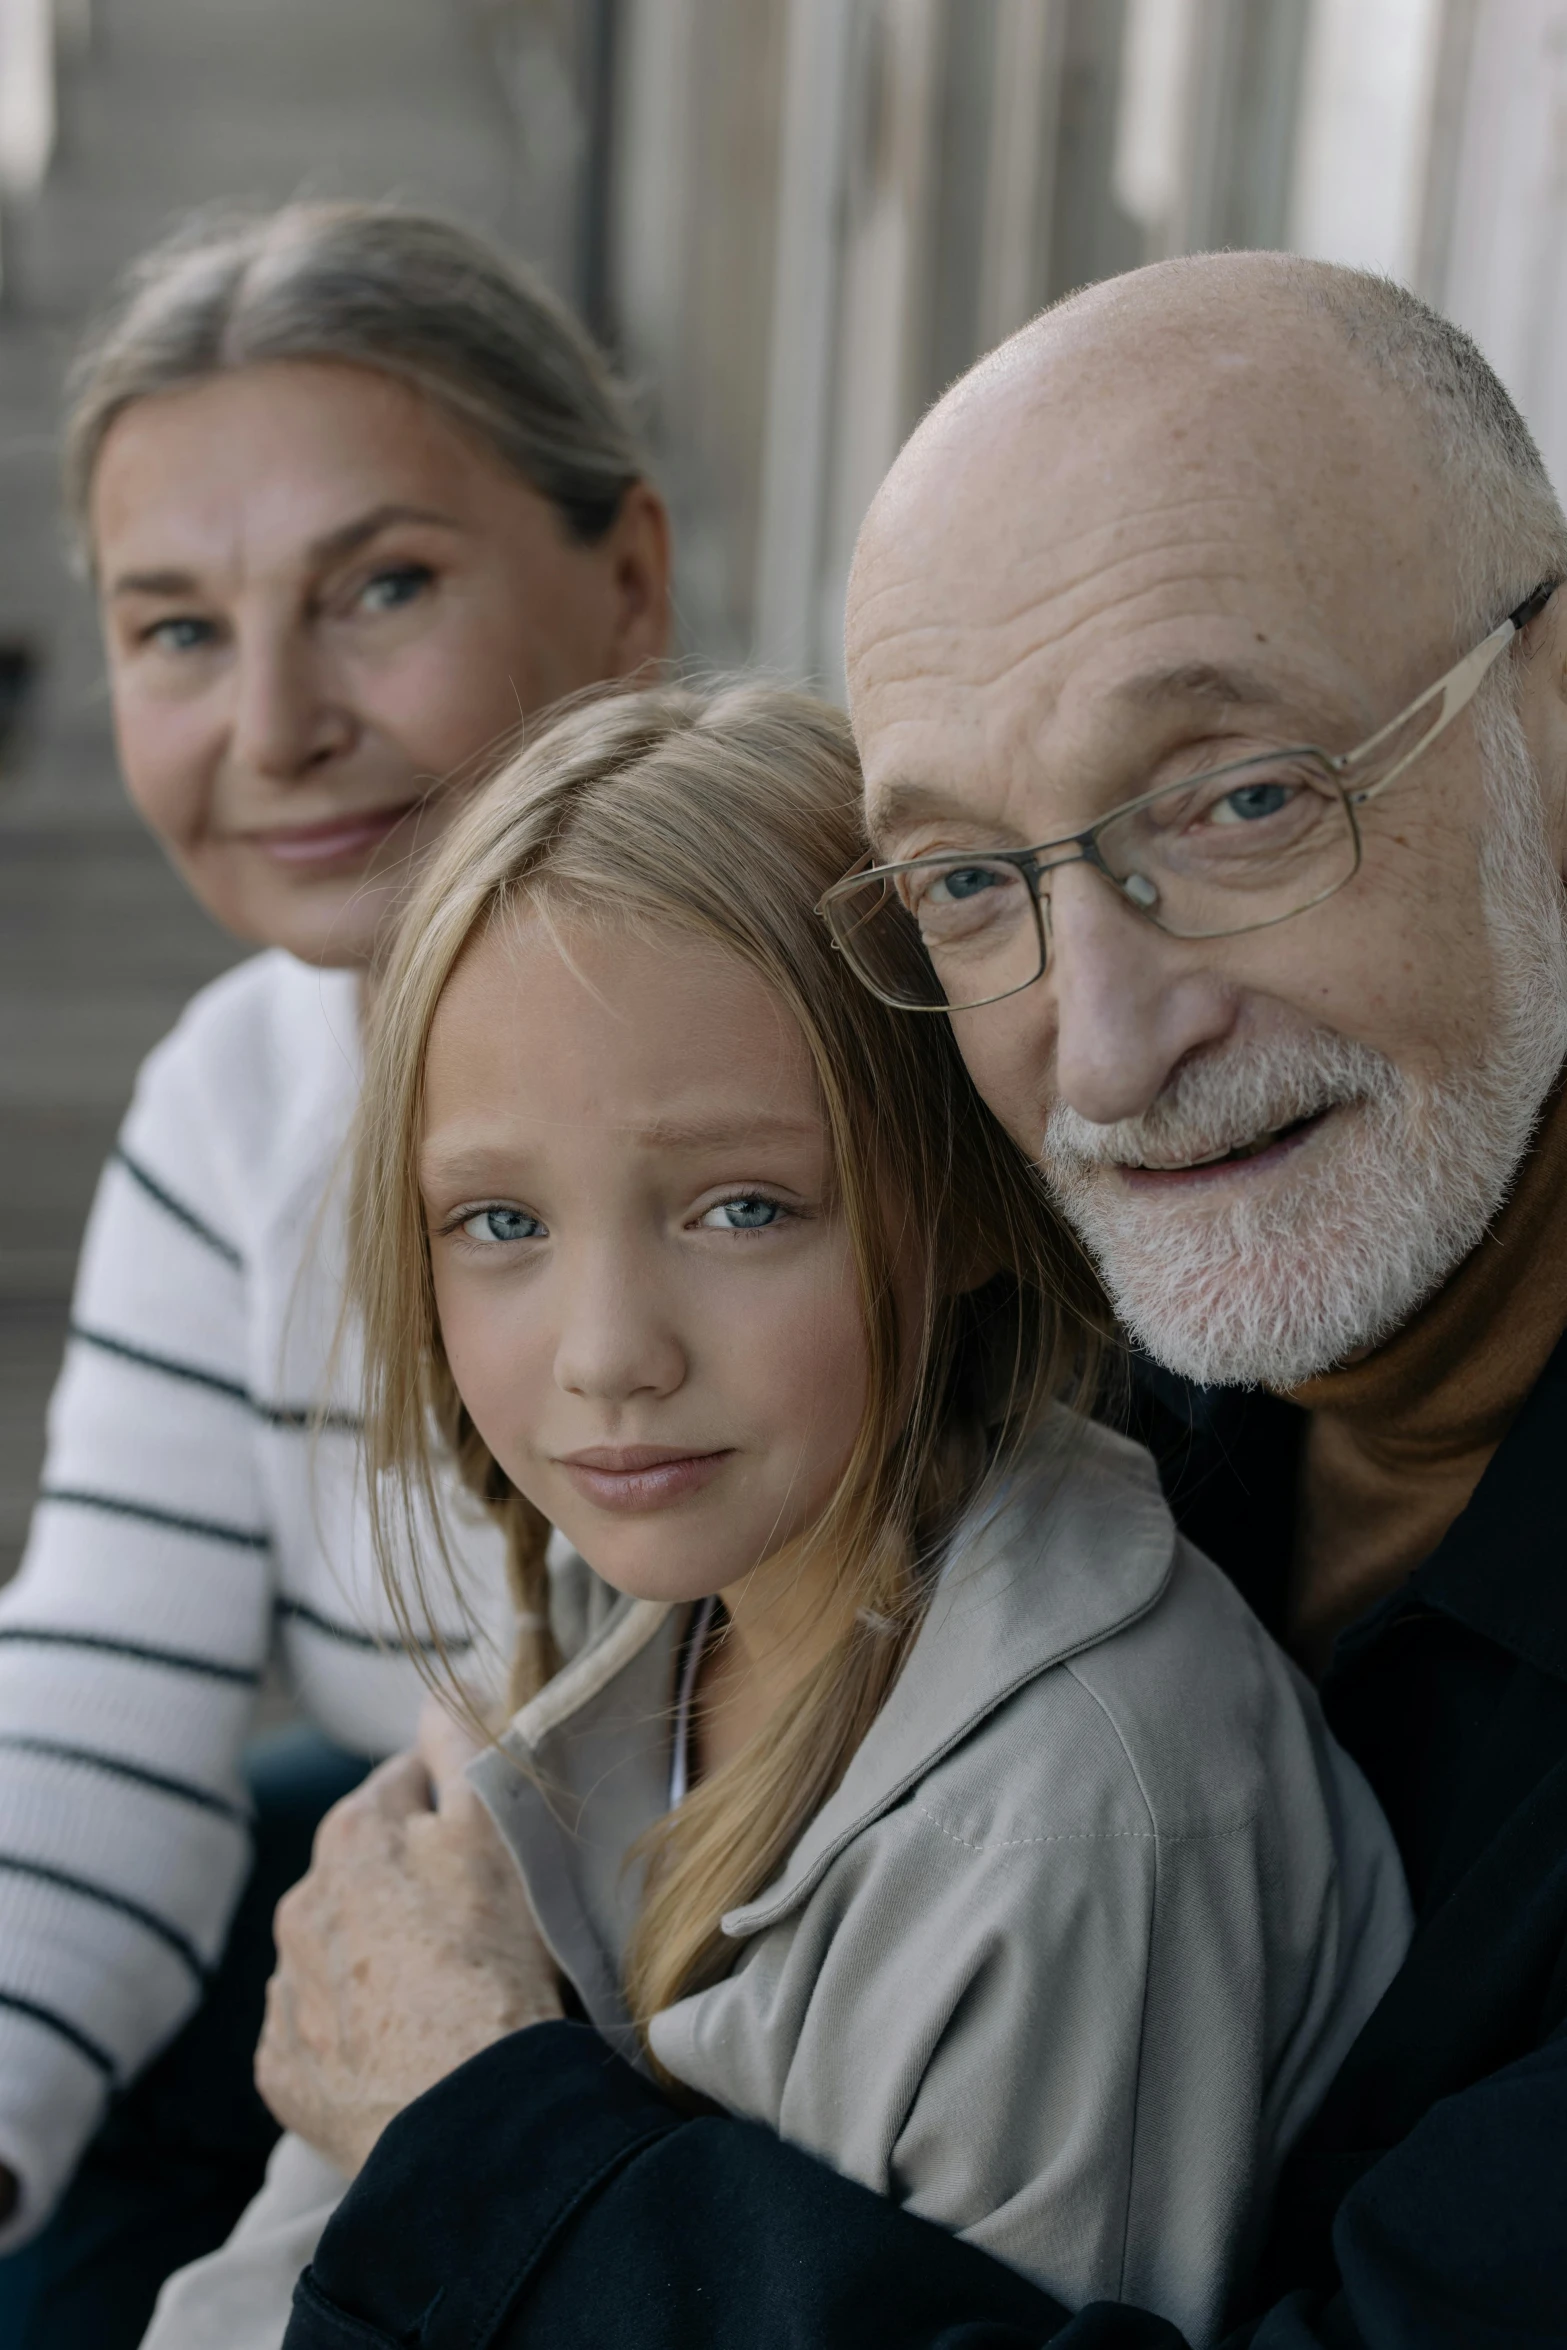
545, 2195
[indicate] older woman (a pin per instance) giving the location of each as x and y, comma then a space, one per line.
356, 496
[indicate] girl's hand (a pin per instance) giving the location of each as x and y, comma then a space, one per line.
407, 1948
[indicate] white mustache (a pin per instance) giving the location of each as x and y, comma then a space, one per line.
1239, 1095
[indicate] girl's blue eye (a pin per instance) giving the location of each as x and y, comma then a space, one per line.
745, 1214
490, 1224
390, 589
181, 635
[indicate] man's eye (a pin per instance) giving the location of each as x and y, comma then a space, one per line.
745, 1213
182, 634
960, 882
391, 589
1250, 803
491, 1224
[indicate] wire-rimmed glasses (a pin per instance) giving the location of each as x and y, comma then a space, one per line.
1236, 848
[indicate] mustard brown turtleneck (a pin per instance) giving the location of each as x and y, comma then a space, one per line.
1398, 1440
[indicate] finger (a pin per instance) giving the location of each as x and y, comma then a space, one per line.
275, 2014
272, 2068
291, 1916
394, 1790
278, 2034
462, 1820
446, 1746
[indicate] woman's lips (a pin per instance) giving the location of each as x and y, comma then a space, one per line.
339, 840
640, 1476
1245, 1159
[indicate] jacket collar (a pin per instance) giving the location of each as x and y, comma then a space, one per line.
1074, 1543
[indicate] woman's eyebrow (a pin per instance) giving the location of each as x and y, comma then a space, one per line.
349, 537
154, 583
332, 547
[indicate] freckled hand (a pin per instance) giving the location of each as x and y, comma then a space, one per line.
407, 1948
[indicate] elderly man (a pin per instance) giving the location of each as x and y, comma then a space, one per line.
1285, 1027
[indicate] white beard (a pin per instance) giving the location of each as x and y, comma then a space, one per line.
1271, 1281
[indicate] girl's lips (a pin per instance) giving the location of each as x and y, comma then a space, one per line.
641, 1478
340, 840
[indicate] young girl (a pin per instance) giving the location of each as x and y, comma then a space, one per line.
886, 1768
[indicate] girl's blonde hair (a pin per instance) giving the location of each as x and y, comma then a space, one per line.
404, 293
724, 817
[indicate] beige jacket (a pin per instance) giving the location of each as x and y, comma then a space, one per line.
1079, 1942
1064, 1964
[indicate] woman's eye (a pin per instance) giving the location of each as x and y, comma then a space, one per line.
182, 634
389, 590
490, 1224
744, 1214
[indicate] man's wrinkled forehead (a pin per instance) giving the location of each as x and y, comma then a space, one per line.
1091, 524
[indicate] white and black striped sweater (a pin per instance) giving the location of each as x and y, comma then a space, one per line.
190, 1521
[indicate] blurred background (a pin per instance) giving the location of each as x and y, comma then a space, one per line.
793, 222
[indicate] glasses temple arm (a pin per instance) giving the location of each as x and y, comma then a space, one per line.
1456, 691
1454, 694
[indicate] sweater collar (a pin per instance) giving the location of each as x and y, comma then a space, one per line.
1498, 1569
1454, 1376
1398, 1442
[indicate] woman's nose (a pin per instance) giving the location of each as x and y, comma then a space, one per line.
617, 1341
286, 721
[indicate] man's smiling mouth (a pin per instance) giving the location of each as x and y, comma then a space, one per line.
1276, 1138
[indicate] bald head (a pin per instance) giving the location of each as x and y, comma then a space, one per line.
1346, 408
1191, 520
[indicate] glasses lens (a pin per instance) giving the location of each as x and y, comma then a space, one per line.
944, 936
1236, 850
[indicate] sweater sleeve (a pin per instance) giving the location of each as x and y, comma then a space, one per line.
131, 1644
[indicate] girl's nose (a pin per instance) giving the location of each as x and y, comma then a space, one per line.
617, 1341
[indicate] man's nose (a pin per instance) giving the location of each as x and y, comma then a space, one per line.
286, 721
617, 1341
1130, 1003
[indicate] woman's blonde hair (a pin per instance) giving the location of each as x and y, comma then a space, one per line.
724, 817
403, 293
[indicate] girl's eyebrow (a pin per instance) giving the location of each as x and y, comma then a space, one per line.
465, 1164
722, 1128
